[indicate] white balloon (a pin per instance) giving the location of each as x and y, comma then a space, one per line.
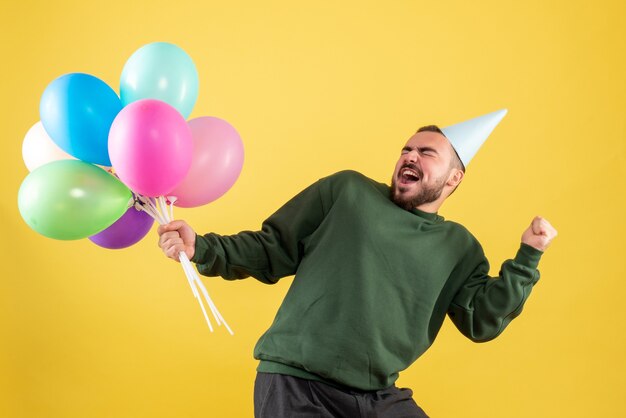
39, 149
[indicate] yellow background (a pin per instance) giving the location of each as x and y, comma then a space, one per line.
313, 89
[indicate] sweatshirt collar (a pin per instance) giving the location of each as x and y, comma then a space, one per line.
433, 217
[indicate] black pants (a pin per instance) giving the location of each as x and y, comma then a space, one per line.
281, 396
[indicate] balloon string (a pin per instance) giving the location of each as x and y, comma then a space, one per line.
154, 207
148, 207
195, 291
163, 208
172, 200
157, 210
148, 212
218, 317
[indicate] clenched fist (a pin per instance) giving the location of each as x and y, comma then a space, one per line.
175, 237
539, 234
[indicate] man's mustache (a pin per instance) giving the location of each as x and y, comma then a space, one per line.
412, 167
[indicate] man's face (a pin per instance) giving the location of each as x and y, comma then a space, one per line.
422, 170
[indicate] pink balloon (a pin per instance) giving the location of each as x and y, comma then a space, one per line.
151, 147
216, 165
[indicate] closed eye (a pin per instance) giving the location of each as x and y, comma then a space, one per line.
428, 151
422, 150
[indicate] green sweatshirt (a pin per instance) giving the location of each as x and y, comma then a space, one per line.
373, 282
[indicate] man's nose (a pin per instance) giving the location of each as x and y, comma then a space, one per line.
412, 156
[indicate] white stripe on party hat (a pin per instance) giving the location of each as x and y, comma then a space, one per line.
467, 137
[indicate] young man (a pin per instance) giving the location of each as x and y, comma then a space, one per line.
376, 272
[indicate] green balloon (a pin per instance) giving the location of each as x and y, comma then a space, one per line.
70, 199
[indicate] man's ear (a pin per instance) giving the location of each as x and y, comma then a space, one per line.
455, 178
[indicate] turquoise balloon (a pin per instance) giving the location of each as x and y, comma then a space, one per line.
71, 199
161, 71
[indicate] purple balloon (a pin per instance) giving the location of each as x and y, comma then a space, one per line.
126, 231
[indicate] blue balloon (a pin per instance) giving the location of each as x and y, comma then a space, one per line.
77, 111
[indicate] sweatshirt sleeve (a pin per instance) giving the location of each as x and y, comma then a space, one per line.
485, 305
269, 254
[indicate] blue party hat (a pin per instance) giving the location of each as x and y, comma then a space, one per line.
467, 137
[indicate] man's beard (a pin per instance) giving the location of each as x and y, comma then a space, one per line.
426, 194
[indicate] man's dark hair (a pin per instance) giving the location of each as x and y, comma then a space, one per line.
456, 160
430, 128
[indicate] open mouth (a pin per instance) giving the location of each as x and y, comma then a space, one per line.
408, 176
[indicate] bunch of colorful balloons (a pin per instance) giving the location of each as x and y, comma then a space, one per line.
105, 166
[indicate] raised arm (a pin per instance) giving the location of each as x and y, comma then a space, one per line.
485, 305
